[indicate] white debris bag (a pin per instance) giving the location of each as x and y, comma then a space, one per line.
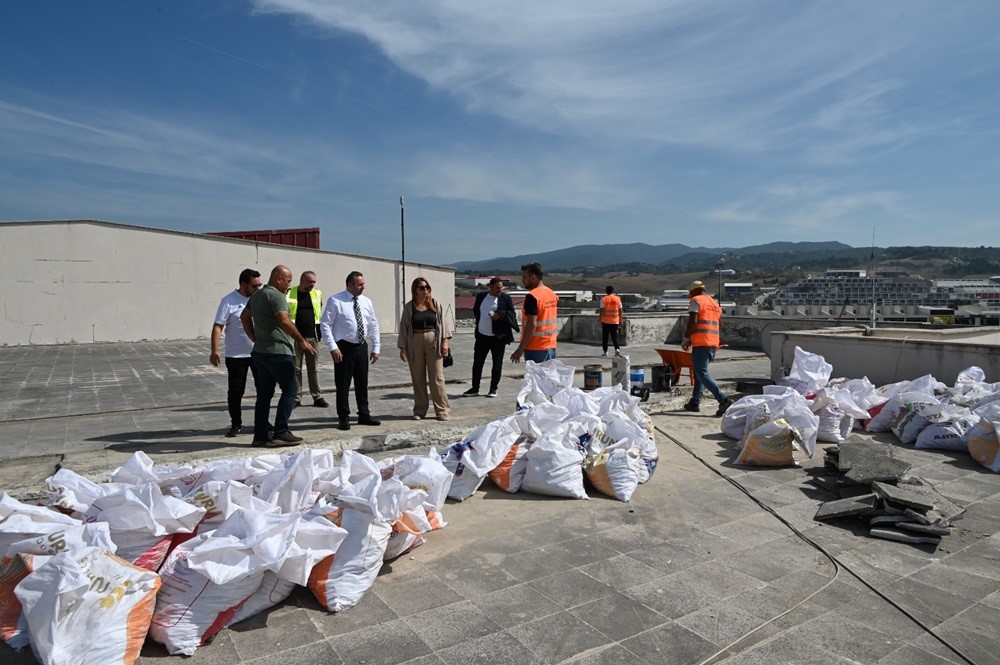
615, 471
909, 421
984, 444
555, 463
948, 428
509, 474
774, 442
428, 473
142, 522
809, 372
74, 494
479, 453
207, 578
88, 607
542, 381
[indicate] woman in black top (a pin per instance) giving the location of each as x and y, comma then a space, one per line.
424, 331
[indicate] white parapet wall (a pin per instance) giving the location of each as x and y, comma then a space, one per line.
890, 355
89, 281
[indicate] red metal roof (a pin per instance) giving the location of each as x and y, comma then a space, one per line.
307, 238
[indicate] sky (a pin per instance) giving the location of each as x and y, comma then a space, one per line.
509, 126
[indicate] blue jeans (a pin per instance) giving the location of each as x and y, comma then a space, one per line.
700, 357
273, 369
539, 356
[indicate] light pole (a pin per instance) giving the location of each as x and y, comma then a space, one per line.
718, 268
402, 247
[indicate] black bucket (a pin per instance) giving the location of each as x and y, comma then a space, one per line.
663, 375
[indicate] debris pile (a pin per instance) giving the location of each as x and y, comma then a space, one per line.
874, 486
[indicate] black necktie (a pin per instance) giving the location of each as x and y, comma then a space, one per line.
361, 323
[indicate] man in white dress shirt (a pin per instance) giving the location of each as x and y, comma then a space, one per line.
347, 325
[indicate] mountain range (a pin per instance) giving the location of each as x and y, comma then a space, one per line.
774, 256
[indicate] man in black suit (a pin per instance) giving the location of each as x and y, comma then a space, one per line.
496, 322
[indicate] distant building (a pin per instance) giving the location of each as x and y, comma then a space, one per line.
984, 292
838, 288
737, 288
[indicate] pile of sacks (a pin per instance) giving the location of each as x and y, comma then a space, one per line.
179, 553
559, 436
810, 406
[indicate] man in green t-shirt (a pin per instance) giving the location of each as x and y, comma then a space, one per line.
267, 323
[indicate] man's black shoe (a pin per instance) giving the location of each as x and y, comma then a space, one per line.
369, 421
233, 431
344, 425
691, 406
321, 403
471, 392
287, 437
297, 404
725, 406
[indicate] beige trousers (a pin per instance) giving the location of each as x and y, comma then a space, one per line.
426, 368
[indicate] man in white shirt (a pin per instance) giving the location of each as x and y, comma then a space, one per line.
238, 345
347, 324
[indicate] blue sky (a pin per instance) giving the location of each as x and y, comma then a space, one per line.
508, 125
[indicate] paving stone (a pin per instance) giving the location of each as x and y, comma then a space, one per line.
273, 631
618, 616
621, 572
904, 495
515, 605
371, 610
903, 537
558, 637
862, 505
612, 655
670, 643
531, 565
496, 648
930, 529
318, 652
580, 551
415, 592
671, 596
863, 460
929, 604
571, 588
446, 626
722, 623
384, 644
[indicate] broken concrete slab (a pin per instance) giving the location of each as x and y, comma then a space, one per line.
867, 461
928, 529
899, 536
882, 520
910, 496
861, 505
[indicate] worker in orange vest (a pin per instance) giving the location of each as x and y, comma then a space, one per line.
611, 318
539, 331
702, 338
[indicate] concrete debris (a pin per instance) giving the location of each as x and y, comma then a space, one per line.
897, 506
892, 534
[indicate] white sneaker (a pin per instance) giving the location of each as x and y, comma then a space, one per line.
491, 393
604, 355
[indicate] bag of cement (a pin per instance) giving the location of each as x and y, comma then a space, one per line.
88, 606
290, 486
948, 428
984, 444
509, 474
734, 421
479, 453
836, 411
21, 520
207, 578
971, 374
26, 555
542, 381
428, 473
220, 499
615, 471
619, 427
771, 444
756, 416
883, 419
73, 494
139, 469
971, 395
316, 538
909, 422
555, 463
576, 401
809, 372
142, 522
339, 581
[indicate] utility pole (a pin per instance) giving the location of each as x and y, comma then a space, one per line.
402, 247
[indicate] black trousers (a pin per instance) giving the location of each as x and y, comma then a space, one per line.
353, 367
612, 330
236, 368
487, 345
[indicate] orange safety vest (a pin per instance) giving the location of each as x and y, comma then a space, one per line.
610, 306
706, 332
545, 333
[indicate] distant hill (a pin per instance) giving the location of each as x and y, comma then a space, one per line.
661, 258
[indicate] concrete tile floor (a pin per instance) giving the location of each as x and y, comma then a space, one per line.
691, 565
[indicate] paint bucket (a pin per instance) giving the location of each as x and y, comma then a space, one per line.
593, 376
637, 375
620, 371
662, 376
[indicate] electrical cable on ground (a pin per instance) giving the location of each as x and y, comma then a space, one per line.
838, 565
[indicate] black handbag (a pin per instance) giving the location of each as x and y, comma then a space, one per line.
448, 361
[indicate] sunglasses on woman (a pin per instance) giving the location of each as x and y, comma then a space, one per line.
424, 287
